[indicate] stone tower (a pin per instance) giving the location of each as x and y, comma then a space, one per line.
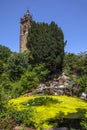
25, 24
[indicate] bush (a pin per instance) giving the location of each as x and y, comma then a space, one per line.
84, 124
39, 101
41, 71
21, 117
29, 80
83, 83
6, 122
33, 76
3, 99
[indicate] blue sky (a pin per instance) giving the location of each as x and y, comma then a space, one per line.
70, 15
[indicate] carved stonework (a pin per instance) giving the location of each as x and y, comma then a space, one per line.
25, 24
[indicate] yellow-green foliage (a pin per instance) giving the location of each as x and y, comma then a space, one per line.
67, 107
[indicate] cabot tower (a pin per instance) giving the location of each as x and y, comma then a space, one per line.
25, 24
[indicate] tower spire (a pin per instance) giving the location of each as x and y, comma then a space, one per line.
28, 11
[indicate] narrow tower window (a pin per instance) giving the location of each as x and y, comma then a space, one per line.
24, 30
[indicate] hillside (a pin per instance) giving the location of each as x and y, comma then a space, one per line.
43, 87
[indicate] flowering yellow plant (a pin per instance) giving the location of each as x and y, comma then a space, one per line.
69, 107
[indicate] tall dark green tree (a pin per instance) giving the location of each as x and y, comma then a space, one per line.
46, 43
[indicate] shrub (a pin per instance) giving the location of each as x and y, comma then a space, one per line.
6, 122
21, 117
33, 76
29, 80
41, 71
83, 83
84, 124
3, 99
39, 101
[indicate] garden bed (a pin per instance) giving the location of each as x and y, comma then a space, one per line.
45, 111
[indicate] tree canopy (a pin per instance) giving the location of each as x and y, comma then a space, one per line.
4, 53
16, 66
46, 43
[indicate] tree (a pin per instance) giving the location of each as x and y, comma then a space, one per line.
83, 83
71, 63
16, 66
4, 55
5, 52
82, 63
46, 43
76, 64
